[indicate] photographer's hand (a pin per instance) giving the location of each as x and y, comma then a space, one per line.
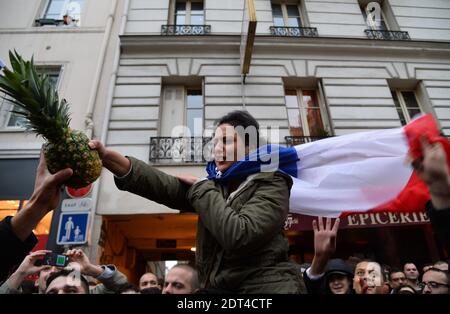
87, 268
27, 268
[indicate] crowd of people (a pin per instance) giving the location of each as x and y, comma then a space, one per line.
241, 247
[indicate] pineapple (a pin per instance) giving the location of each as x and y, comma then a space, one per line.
49, 117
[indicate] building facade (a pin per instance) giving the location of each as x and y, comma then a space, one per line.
318, 68
72, 42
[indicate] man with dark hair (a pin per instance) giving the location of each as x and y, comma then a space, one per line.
412, 275
242, 207
181, 279
67, 282
149, 280
397, 278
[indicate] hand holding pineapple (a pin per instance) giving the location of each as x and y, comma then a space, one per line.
112, 160
49, 117
45, 197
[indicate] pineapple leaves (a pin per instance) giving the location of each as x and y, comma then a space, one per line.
35, 94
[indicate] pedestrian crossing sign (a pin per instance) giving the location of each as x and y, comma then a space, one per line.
72, 228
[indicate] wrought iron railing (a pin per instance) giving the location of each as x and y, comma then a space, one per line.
387, 35
185, 29
294, 31
54, 22
297, 140
180, 149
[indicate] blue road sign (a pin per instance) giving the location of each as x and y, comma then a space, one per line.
73, 227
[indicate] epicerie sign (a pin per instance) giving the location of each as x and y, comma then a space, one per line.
76, 204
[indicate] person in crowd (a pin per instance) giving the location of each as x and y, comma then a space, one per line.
368, 278
442, 265
128, 288
326, 276
149, 280
426, 266
181, 279
240, 239
435, 281
433, 169
397, 278
404, 289
109, 277
67, 282
412, 275
16, 233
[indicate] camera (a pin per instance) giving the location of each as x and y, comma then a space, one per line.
53, 259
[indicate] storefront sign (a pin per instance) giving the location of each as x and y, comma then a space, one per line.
297, 222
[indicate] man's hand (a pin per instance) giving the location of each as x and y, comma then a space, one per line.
187, 178
27, 268
324, 244
45, 197
325, 237
47, 187
115, 162
433, 170
86, 268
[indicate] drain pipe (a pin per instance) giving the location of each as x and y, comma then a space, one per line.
88, 121
97, 221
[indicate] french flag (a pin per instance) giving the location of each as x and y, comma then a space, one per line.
359, 172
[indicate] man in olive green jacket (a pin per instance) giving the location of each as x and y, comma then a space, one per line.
241, 247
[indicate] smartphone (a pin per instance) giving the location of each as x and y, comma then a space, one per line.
53, 259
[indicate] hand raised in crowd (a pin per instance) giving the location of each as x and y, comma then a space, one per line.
26, 268
433, 170
79, 260
45, 197
324, 243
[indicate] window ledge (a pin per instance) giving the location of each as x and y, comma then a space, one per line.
52, 29
12, 130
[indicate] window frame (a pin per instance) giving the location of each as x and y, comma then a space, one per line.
402, 103
6, 106
46, 5
386, 13
284, 11
185, 112
172, 12
302, 109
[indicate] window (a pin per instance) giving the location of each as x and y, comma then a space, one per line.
373, 15
10, 119
182, 106
305, 116
406, 104
64, 12
287, 14
189, 13
194, 111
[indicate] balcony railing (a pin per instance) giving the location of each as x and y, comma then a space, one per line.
297, 140
294, 31
53, 22
386, 35
185, 29
171, 150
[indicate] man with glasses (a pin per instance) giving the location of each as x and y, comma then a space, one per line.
435, 281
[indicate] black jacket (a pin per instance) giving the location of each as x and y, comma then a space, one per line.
440, 221
13, 249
